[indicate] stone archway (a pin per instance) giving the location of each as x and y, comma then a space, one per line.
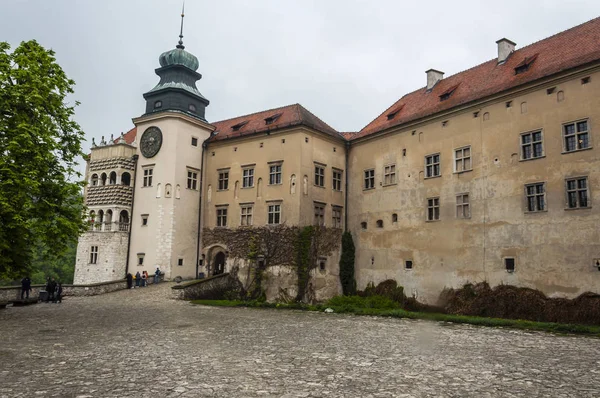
219, 263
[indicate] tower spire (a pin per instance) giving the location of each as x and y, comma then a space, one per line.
180, 43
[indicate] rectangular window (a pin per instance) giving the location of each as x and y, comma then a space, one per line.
531, 145
389, 174
536, 196
509, 264
336, 217
221, 216
337, 180
319, 214
463, 208
432, 165
94, 255
433, 209
144, 220
194, 141
274, 214
246, 215
192, 179
141, 258
319, 176
576, 136
462, 159
223, 180
147, 181
180, 262
275, 174
248, 178
577, 193
370, 179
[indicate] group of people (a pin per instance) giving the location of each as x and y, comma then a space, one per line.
53, 288
141, 280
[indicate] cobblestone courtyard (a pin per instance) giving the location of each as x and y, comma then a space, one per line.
140, 343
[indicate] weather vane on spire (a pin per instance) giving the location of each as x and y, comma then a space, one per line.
180, 45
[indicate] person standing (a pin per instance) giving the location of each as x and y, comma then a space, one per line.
156, 275
129, 281
138, 279
144, 278
25, 287
58, 293
51, 290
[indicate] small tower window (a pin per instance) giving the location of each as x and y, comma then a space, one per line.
408, 264
94, 180
158, 105
126, 179
394, 217
379, 223
363, 225
585, 80
509, 263
192, 108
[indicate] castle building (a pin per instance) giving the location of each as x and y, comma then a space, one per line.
486, 175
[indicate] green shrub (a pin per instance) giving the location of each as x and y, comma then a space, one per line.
347, 265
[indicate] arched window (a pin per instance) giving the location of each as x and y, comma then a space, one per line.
126, 179
103, 178
94, 180
192, 108
113, 178
168, 191
123, 221
99, 221
363, 225
394, 217
108, 220
101, 216
92, 219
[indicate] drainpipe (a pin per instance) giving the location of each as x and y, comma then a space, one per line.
135, 160
346, 188
204, 148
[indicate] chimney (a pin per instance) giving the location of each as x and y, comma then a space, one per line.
433, 76
505, 48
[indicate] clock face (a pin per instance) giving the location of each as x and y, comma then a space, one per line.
151, 141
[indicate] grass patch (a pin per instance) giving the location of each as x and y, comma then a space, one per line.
382, 306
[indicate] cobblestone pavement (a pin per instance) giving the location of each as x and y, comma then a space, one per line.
140, 343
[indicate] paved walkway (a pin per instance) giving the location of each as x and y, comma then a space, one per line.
140, 343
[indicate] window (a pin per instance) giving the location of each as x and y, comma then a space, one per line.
141, 258
432, 165
192, 180
319, 176
192, 108
246, 215
379, 223
275, 174
147, 180
462, 159
322, 264
248, 178
576, 136
223, 180
319, 214
180, 262
239, 126
531, 145
536, 196
433, 209
463, 208
370, 179
389, 174
94, 255
274, 214
126, 179
394, 217
336, 217
157, 104
144, 220
194, 141
509, 264
408, 264
94, 180
524, 65
272, 119
221, 216
577, 193
508, 104
550, 90
363, 225
585, 80
337, 180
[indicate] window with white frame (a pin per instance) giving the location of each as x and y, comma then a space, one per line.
248, 178
577, 193
432, 165
463, 207
221, 216
246, 215
532, 145
462, 159
389, 174
275, 174
576, 136
319, 175
223, 180
369, 179
433, 209
274, 214
535, 195
192, 179
336, 217
94, 255
147, 180
337, 180
319, 214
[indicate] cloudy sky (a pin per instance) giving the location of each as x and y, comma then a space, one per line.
345, 60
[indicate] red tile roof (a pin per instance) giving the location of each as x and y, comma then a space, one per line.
287, 116
129, 136
572, 48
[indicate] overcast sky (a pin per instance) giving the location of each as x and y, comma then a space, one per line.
344, 60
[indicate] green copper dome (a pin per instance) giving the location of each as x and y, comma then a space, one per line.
178, 56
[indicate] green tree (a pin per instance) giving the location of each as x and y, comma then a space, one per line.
347, 265
39, 146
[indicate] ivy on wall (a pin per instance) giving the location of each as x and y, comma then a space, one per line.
347, 265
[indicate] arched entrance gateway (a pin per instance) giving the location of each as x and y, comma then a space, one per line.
219, 263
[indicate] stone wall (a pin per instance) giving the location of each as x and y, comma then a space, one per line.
112, 257
207, 288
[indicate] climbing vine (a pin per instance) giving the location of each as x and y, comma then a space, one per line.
347, 265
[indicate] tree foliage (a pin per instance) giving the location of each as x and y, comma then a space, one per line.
39, 146
347, 265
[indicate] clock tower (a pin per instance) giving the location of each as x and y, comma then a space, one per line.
166, 200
